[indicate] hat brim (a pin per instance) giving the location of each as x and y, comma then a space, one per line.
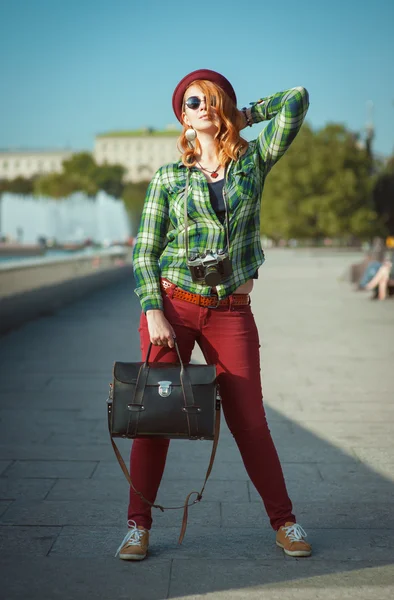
206, 74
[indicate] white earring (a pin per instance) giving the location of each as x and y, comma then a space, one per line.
190, 135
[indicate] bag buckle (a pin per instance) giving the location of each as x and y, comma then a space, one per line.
165, 388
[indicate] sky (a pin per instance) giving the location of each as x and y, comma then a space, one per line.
71, 69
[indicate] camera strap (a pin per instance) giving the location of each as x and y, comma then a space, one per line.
227, 226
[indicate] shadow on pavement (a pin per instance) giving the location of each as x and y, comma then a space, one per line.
63, 497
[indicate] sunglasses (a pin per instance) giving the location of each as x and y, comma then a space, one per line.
194, 102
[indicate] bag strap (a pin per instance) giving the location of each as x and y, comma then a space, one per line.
187, 503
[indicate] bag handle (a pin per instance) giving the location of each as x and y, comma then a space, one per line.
187, 389
187, 503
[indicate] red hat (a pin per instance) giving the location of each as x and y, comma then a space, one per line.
179, 92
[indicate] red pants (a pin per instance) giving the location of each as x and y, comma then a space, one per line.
228, 338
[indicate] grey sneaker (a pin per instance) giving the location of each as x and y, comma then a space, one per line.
135, 544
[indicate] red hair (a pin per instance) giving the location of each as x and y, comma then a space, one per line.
229, 144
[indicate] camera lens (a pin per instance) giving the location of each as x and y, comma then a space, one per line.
212, 276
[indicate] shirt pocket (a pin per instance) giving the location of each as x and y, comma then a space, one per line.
245, 182
177, 204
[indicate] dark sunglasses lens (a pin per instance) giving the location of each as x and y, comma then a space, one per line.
193, 102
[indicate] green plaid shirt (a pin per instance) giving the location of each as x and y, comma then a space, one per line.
160, 246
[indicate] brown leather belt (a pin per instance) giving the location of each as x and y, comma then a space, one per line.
208, 301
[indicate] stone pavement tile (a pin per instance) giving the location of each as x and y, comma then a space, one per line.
37, 489
351, 544
338, 437
69, 578
215, 490
341, 405
38, 438
47, 399
312, 413
182, 450
362, 440
214, 542
51, 469
95, 490
35, 541
4, 464
68, 512
336, 491
199, 542
315, 515
24, 382
302, 450
232, 579
307, 472
329, 430
282, 403
374, 457
183, 469
43, 422
336, 386
82, 384
41, 452
89, 452
109, 470
4, 504
11, 435
204, 514
80, 438
356, 472
78, 541
223, 470
350, 397
169, 491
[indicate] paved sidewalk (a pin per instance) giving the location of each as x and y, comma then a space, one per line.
327, 355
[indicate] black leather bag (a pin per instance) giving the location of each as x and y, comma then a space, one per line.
164, 400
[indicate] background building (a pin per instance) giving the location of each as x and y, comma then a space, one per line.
27, 163
141, 152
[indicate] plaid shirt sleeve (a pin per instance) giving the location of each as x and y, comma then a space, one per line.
151, 240
286, 112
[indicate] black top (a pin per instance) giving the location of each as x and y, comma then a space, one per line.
217, 203
216, 197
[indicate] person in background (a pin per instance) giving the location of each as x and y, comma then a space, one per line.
381, 279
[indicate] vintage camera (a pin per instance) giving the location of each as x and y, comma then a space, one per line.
210, 267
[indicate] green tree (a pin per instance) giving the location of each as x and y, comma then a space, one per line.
91, 177
133, 197
383, 197
56, 185
110, 179
81, 163
18, 185
320, 188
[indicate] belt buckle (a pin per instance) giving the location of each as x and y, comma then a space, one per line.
216, 305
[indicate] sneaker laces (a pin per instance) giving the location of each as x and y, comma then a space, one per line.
295, 532
132, 537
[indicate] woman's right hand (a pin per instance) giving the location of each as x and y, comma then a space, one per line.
160, 331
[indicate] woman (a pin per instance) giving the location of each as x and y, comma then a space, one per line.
223, 176
378, 277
